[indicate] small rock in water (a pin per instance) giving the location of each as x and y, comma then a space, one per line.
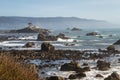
102, 65
55, 78
72, 66
99, 75
113, 76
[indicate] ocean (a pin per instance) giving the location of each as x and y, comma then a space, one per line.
78, 39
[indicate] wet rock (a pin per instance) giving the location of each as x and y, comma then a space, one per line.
72, 66
117, 43
29, 44
47, 47
99, 75
55, 78
73, 76
92, 34
119, 60
86, 68
102, 65
111, 48
100, 36
41, 37
83, 69
85, 64
113, 76
42, 72
75, 29
3, 38
77, 76
61, 35
80, 75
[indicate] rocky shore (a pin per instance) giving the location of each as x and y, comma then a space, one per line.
48, 54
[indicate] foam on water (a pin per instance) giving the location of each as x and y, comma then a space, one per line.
65, 40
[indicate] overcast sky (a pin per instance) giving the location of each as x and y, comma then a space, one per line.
108, 10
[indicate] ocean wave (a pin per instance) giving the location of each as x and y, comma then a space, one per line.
103, 43
27, 37
65, 40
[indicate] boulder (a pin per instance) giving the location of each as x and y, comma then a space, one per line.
113, 76
81, 74
47, 47
92, 34
111, 48
117, 43
85, 64
102, 65
41, 37
61, 35
55, 78
75, 29
99, 75
72, 66
84, 69
72, 76
29, 44
51, 38
77, 76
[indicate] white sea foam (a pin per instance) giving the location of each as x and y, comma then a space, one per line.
9, 44
65, 40
27, 37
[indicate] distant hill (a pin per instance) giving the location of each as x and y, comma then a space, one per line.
52, 22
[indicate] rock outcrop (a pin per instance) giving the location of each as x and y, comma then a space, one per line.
92, 34
99, 75
43, 37
47, 47
102, 65
55, 78
31, 29
113, 76
29, 44
111, 48
72, 66
75, 29
77, 76
117, 43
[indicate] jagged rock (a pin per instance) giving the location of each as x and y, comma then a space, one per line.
29, 44
55, 78
3, 38
75, 29
111, 48
86, 68
102, 65
61, 35
72, 66
85, 64
77, 76
117, 43
47, 47
80, 75
72, 76
92, 34
41, 37
113, 76
51, 38
83, 69
99, 75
